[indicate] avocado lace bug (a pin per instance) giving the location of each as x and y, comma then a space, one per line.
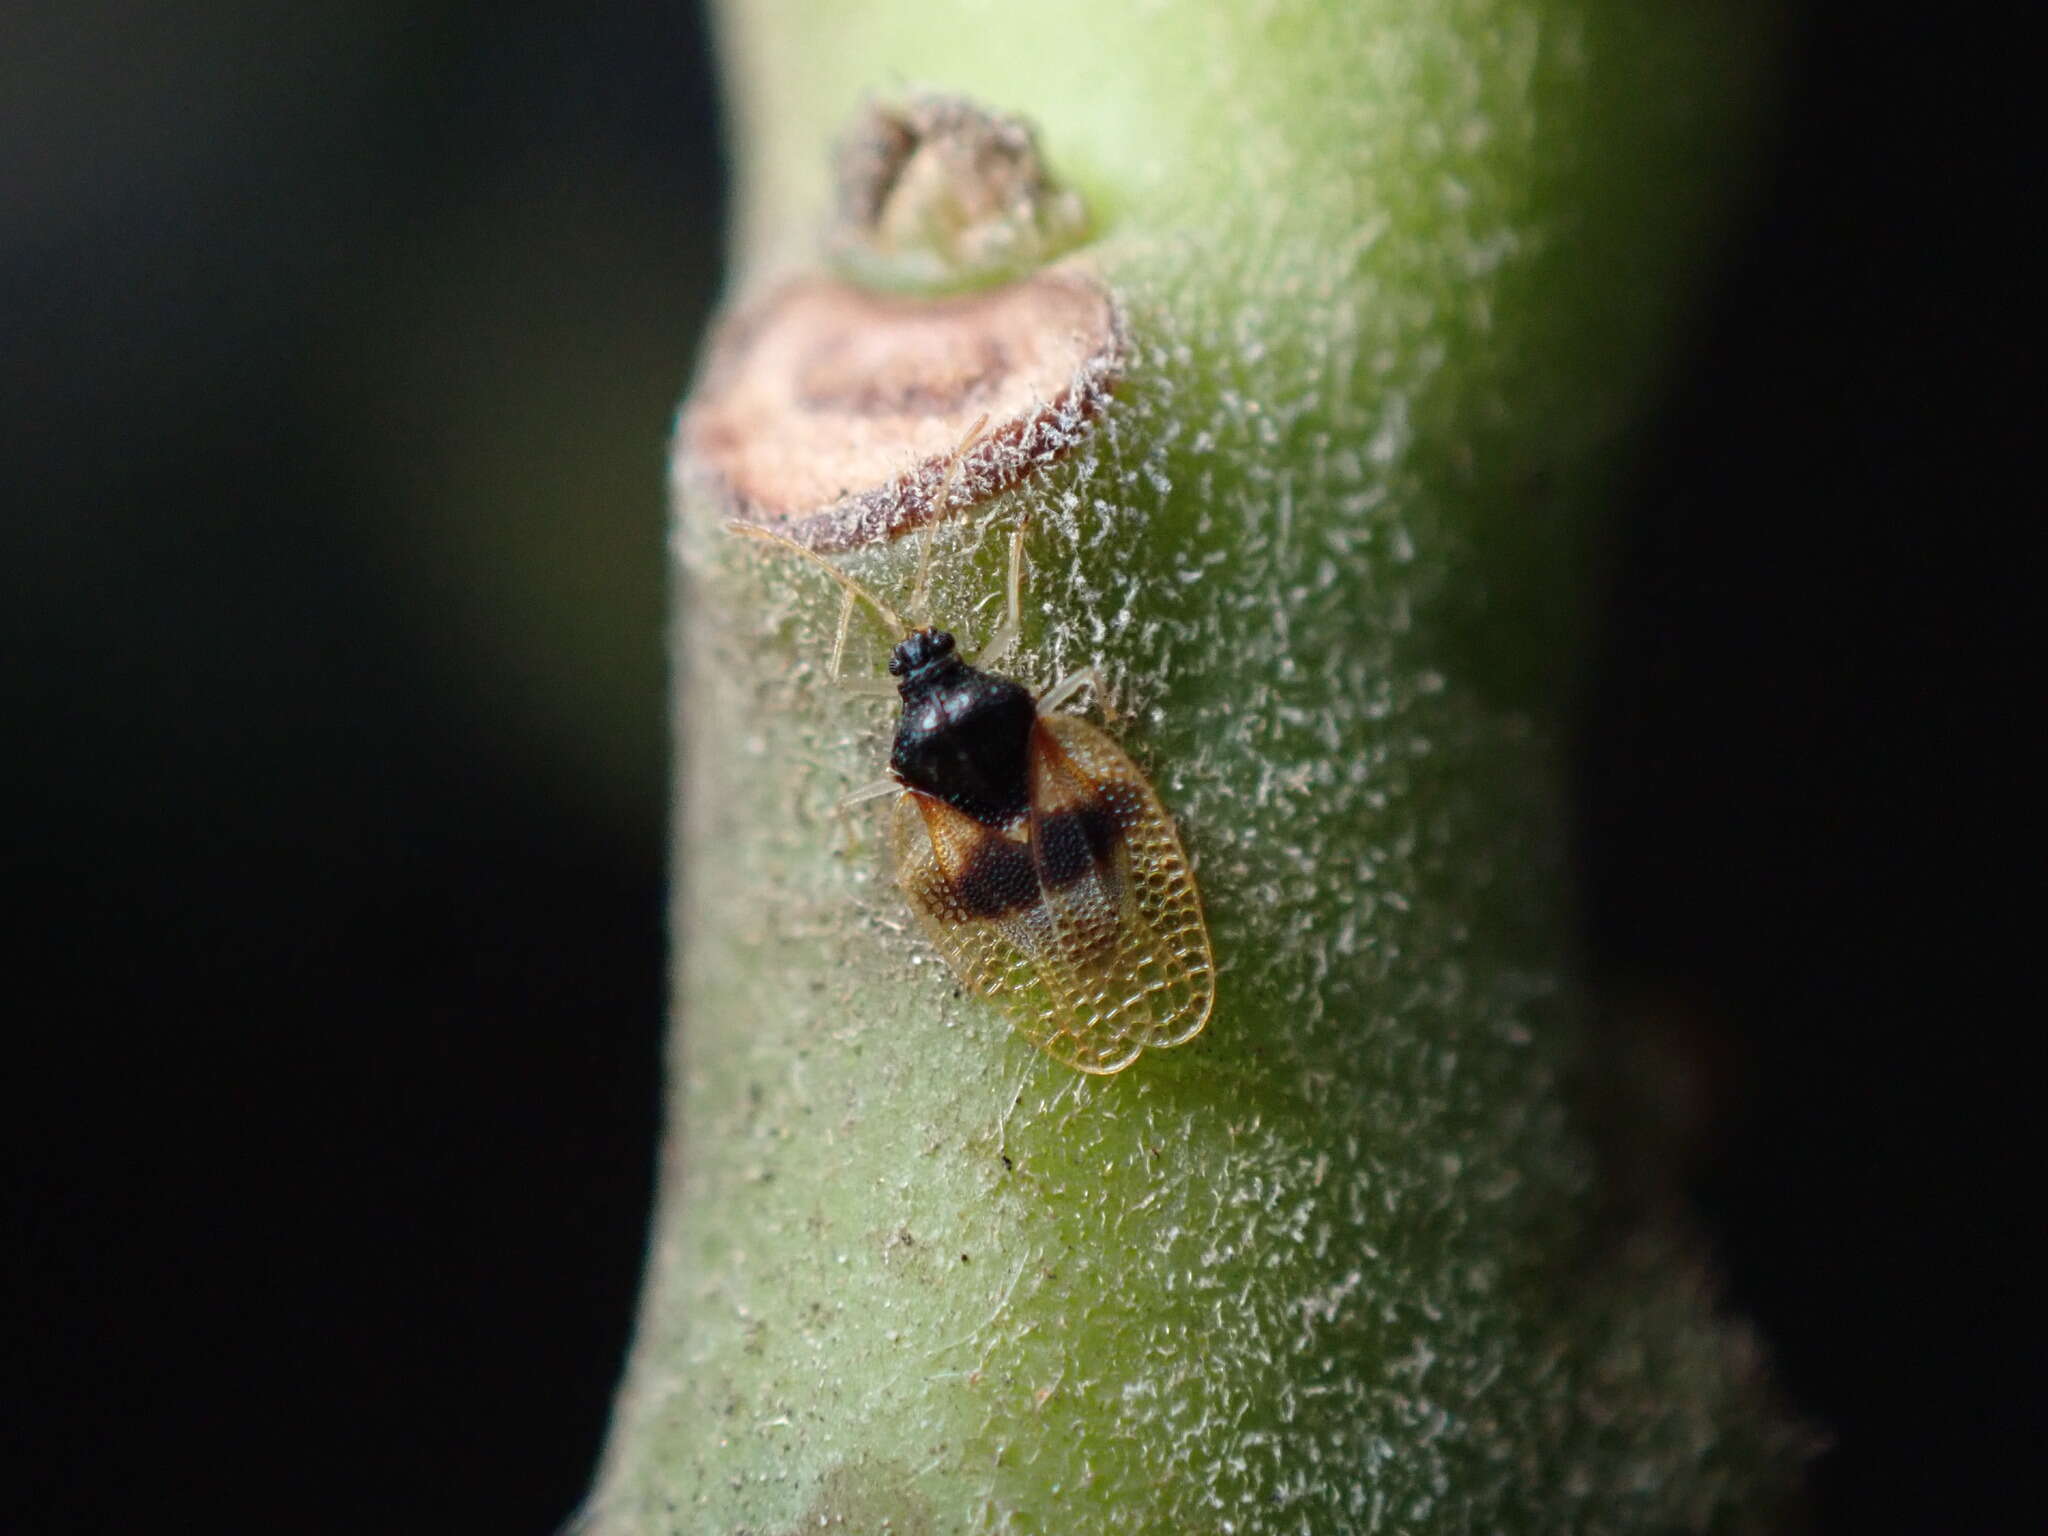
1035, 853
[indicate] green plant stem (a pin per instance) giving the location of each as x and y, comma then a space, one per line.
1397, 279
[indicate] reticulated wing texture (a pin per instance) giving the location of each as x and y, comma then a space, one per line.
1083, 923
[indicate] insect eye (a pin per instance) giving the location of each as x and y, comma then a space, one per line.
942, 643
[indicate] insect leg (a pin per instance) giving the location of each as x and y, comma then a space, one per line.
861, 687
1006, 636
1063, 690
839, 640
867, 792
865, 687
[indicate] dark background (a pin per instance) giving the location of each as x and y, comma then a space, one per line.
339, 348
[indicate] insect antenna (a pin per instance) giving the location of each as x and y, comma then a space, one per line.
920, 594
852, 588
839, 636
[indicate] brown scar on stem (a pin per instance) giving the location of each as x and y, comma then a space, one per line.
830, 414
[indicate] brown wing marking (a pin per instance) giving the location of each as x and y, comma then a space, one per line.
1132, 961
934, 846
1094, 947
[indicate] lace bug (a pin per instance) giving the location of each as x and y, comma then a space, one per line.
1035, 853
